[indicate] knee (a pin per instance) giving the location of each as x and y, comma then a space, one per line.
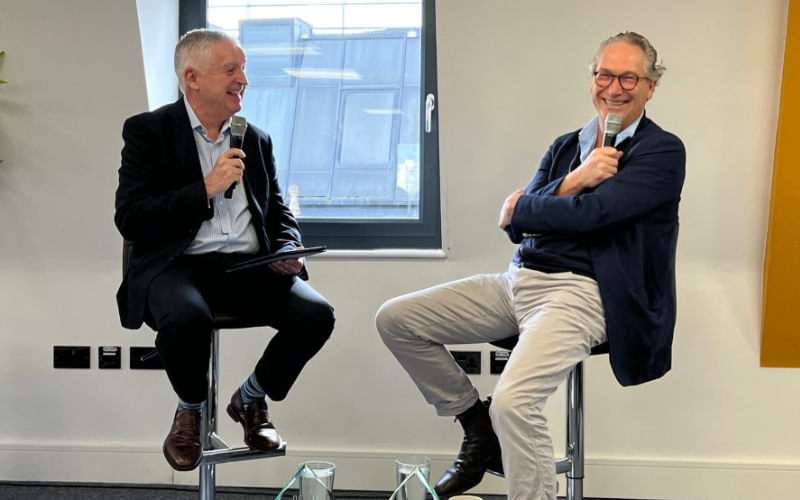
389, 318
499, 407
320, 320
508, 408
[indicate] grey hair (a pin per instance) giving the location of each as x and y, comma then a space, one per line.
652, 70
193, 50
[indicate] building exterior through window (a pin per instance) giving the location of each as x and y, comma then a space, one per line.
341, 101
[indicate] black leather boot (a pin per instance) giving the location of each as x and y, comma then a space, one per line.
479, 449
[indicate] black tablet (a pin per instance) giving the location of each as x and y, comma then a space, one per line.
267, 259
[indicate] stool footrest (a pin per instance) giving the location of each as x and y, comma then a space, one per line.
563, 466
238, 454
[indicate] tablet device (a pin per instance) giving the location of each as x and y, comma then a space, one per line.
267, 259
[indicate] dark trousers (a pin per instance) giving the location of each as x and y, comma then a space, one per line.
182, 300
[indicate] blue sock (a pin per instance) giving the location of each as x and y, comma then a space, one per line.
251, 390
183, 405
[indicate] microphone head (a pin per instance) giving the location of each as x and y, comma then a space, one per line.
238, 126
612, 124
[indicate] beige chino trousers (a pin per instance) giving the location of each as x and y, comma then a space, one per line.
559, 318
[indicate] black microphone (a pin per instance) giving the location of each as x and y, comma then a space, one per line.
238, 128
612, 125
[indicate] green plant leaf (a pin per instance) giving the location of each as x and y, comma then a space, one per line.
3, 82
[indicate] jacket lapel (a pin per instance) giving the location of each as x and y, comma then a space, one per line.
184, 145
250, 149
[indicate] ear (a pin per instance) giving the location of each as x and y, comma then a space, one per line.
190, 78
651, 88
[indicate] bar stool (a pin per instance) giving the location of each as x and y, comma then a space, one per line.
215, 449
572, 465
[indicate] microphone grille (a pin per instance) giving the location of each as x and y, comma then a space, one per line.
613, 123
238, 126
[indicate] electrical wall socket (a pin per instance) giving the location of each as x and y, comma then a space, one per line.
469, 361
71, 356
145, 358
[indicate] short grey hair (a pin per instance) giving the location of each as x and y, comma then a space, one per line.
652, 69
193, 50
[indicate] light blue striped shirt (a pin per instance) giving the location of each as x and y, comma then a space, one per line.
230, 230
587, 137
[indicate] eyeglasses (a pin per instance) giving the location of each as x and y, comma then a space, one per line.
627, 82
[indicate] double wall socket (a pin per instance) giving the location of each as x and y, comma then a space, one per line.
469, 361
71, 356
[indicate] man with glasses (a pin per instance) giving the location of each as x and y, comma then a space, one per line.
597, 229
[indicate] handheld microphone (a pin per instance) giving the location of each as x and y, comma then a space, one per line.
238, 128
612, 125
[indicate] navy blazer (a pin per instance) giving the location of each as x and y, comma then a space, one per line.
161, 200
630, 224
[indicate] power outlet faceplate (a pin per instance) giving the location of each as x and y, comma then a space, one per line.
145, 358
109, 357
497, 361
71, 356
469, 361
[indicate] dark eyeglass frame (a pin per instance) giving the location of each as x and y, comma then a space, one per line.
620, 78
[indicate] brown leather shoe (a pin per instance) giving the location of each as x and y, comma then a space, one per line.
259, 433
182, 447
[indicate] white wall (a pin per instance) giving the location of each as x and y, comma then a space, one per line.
158, 25
512, 76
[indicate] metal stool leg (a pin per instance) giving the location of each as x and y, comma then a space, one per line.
209, 423
575, 433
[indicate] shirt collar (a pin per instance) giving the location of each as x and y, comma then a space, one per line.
198, 127
587, 137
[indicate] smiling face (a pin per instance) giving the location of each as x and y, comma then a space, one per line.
216, 89
621, 58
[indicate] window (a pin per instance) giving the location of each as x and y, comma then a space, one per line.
342, 86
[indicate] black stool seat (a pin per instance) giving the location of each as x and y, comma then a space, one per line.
509, 343
225, 321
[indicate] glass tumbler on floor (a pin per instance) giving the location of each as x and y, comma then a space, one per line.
319, 487
414, 489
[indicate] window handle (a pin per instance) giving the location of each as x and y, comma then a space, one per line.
430, 104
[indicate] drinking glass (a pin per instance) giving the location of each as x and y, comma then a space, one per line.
414, 489
318, 488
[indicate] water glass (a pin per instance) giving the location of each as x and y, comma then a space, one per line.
414, 489
311, 488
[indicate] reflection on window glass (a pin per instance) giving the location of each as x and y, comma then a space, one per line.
337, 86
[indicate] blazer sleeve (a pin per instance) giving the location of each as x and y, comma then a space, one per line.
652, 176
153, 202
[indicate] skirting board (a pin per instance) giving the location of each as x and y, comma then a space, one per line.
362, 470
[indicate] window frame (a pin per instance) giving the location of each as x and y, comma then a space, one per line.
366, 234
